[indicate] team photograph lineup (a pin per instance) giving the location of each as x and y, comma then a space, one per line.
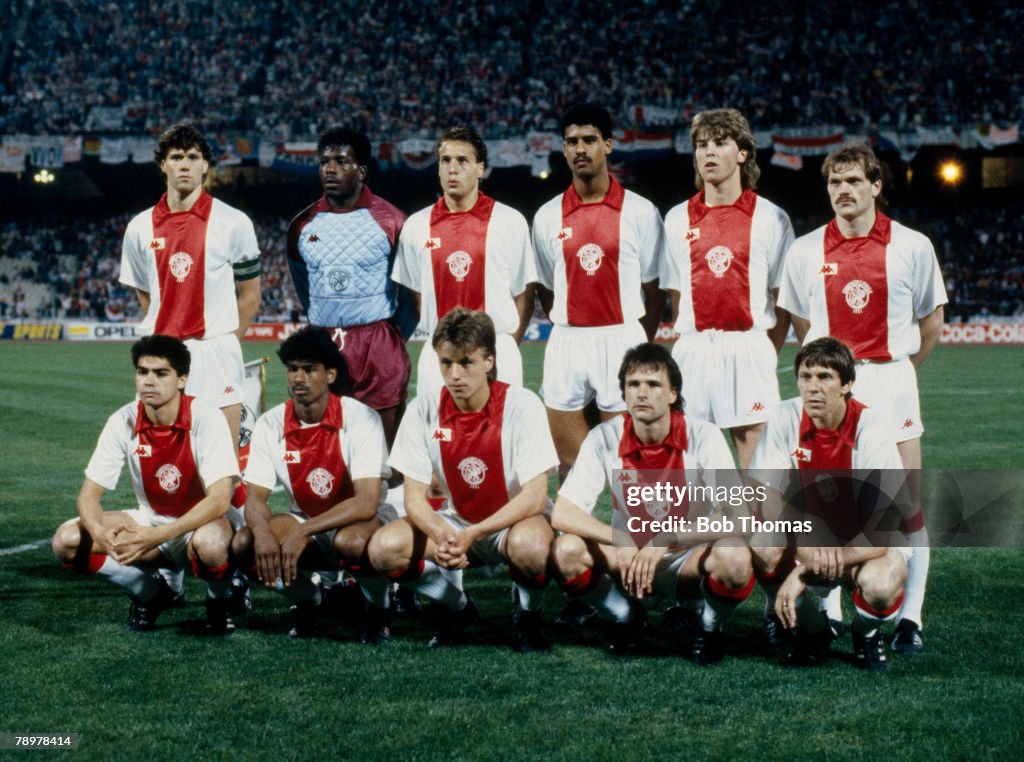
391, 497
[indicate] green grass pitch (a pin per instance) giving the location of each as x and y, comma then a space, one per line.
68, 665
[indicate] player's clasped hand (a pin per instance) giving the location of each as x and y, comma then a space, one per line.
639, 579
453, 551
130, 543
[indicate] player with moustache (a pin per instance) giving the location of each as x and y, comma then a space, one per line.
183, 469
722, 265
876, 285
487, 445
340, 253
468, 250
848, 469
612, 569
327, 450
597, 249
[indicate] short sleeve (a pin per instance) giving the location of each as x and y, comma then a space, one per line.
259, 469
534, 449
111, 452
586, 481
368, 452
409, 453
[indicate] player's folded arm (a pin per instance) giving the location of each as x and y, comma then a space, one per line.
362, 506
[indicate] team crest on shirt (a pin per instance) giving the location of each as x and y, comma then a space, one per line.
442, 435
829, 268
857, 294
292, 456
339, 279
590, 256
458, 264
827, 488
801, 454
181, 265
719, 259
169, 478
564, 234
693, 234
473, 471
432, 243
321, 481
157, 244
143, 451
657, 509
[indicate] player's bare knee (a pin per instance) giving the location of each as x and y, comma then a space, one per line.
765, 560
241, 543
529, 545
66, 540
211, 541
730, 564
390, 548
351, 546
880, 583
569, 553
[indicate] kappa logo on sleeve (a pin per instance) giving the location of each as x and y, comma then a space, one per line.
442, 435
292, 456
143, 451
829, 268
801, 454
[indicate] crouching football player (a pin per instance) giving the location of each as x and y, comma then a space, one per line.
183, 467
600, 563
488, 445
847, 466
328, 452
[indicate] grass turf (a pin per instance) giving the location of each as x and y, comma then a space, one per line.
69, 665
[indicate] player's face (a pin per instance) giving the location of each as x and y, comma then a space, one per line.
465, 374
184, 169
649, 394
458, 168
341, 174
850, 191
718, 159
586, 150
156, 382
823, 394
308, 382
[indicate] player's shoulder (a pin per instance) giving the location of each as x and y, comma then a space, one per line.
809, 243
381, 206
228, 214
507, 214
769, 208
417, 220
638, 204
273, 418
906, 236
678, 215
550, 210
203, 412
124, 417
785, 413
354, 410
143, 218
606, 435
519, 397
700, 432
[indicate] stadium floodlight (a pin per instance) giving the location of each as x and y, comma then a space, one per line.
44, 177
544, 174
951, 172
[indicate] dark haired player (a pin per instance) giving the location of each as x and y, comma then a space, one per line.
721, 265
194, 264
468, 250
600, 563
328, 452
829, 437
597, 265
183, 469
340, 250
875, 285
487, 445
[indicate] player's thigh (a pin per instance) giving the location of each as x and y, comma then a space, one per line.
351, 541
211, 539
399, 542
216, 372
608, 349
71, 535
527, 540
565, 385
694, 355
509, 360
890, 389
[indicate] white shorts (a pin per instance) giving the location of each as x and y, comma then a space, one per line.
581, 364
217, 375
486, 550
175, 549
325, 540
891, 389
729, 377
509, 365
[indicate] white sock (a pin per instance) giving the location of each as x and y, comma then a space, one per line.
917, 578
133, 579
834, 604
607, 597
376, 590
437, 584
530, 598
301, 590
175, 579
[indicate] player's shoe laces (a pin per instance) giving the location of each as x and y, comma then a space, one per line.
708, 648
375, 627
218, 621
869, 652
451, 625
907, 638
774, 633
303, 616
575, 614
529, 633
809, 649
142, 615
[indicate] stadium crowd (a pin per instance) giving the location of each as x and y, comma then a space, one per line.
401, 68
980, 251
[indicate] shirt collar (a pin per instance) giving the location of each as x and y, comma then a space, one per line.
331, 419
745, 203
363, 202
183, 421
846, 431
448, 411
481, 209
675, 440
201, 208
571, 200
881, 232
